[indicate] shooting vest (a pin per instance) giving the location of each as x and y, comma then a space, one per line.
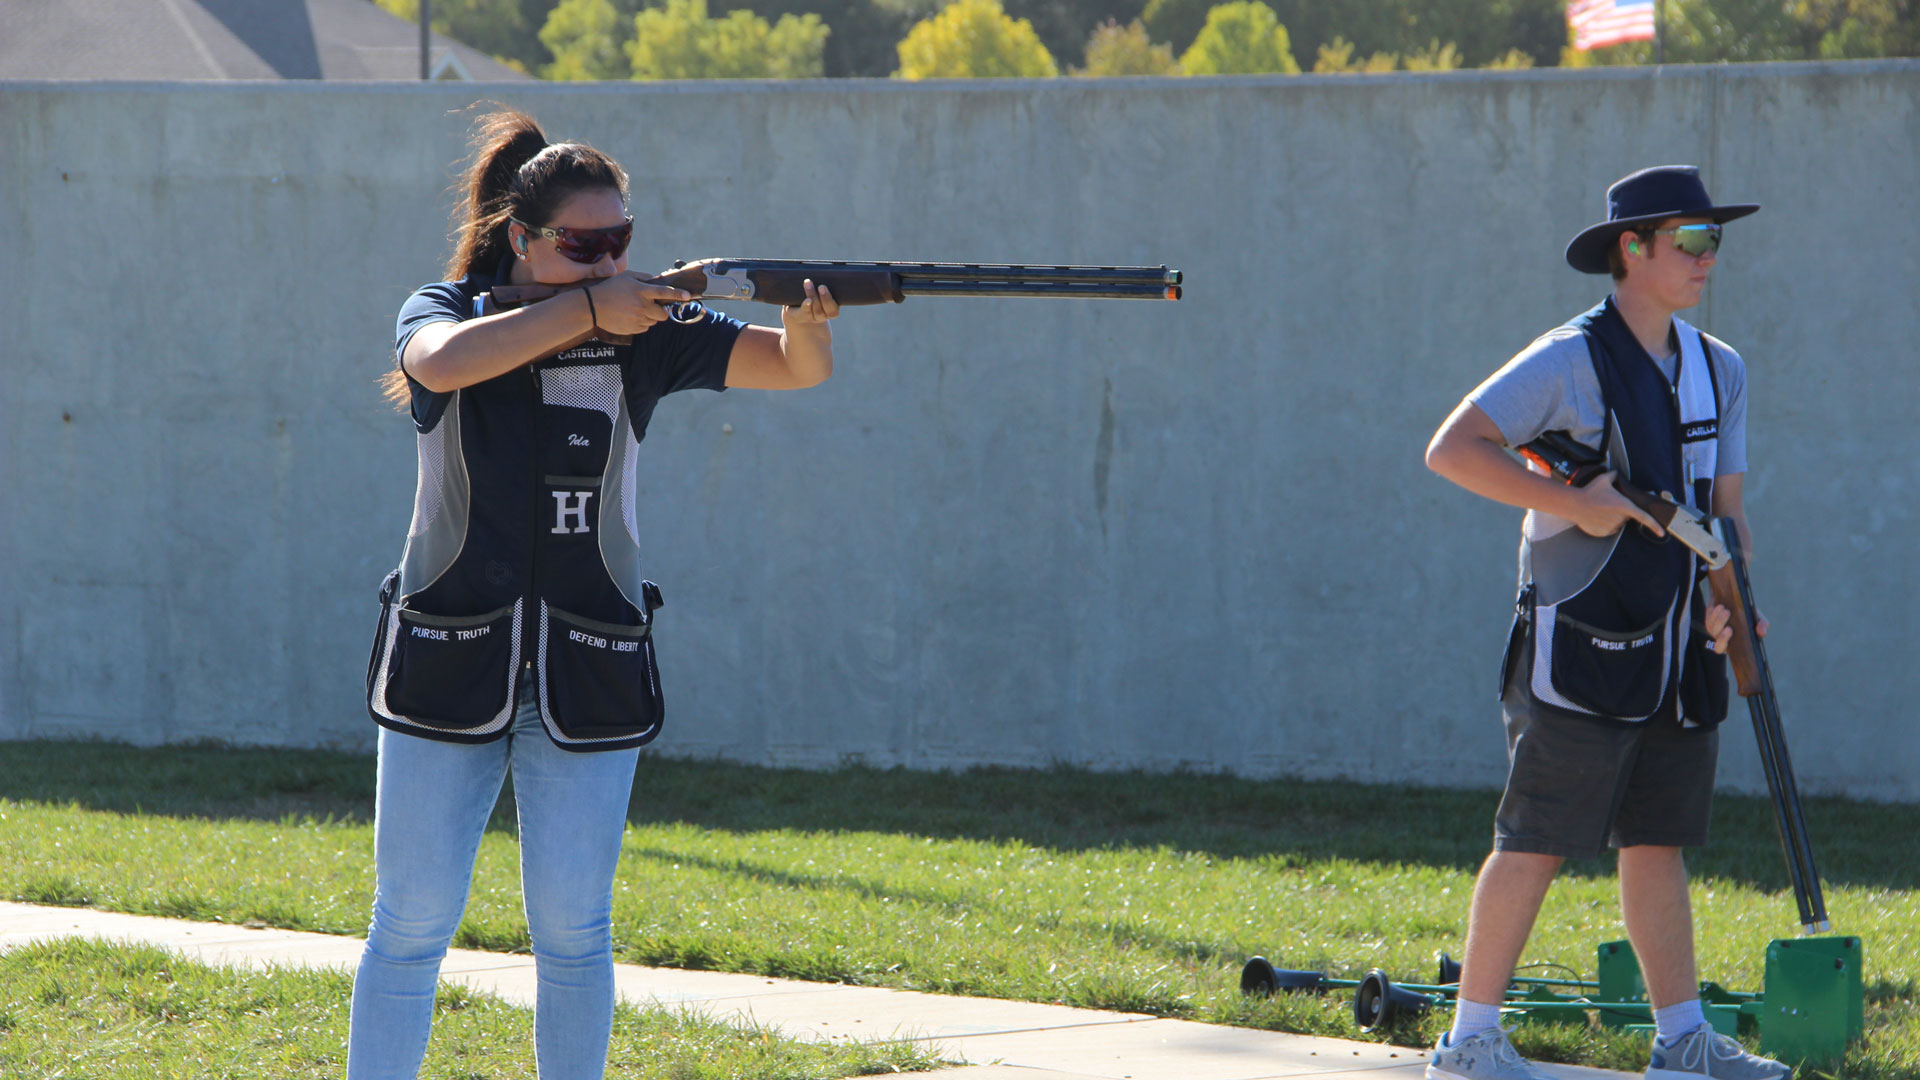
523, 559
1605, 624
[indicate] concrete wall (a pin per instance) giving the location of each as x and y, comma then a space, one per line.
1007, 531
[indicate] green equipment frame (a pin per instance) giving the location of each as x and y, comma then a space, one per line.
1812, 1004
1809, 1009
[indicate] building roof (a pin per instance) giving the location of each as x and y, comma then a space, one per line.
225, 39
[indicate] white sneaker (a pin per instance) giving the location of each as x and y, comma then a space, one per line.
1705, 1054
1486, 1056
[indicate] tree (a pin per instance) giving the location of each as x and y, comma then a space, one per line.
503, 29
974, 39
1177, 22
1849, 29
1336, 58
679, 41
1435, 57
1126, 50
1243, 37
1514, 60
1064, 26
584, 38
864, 31
1711, 31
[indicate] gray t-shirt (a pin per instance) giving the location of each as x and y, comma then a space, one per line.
1551, 386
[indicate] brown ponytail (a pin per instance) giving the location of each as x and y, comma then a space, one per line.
513, 173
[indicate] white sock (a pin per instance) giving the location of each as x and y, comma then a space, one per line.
1674, 1021
1472, 1018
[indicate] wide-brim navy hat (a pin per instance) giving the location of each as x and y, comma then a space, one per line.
1644, 198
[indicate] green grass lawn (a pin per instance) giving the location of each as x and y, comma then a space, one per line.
1125, 891
89, 1010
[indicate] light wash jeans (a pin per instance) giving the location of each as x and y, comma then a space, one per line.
433, 804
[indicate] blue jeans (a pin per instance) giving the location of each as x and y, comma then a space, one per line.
433, 804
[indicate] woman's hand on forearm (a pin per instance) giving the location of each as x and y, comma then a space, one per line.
797, 356
805, 338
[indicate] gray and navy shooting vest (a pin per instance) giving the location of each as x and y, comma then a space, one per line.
523, 558
1606, 624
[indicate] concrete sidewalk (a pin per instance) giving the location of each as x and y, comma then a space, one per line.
1016, 1040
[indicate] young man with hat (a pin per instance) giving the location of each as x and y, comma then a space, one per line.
1612, 683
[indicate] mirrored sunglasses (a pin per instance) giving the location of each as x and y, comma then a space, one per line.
1695, 240
584, 245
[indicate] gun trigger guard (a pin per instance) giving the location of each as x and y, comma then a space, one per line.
690, 312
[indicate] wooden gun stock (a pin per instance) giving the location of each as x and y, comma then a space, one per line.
1743, 652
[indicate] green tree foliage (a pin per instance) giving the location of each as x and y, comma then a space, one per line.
679, 41
1701, 32
1481, 30
1336, 58
1242, 37
505, 29
864, 31
1713, 31
1176, 22
1064, 26
585, 40
1852, 29
1126, 50
1514, 60
974, 39
1435, 57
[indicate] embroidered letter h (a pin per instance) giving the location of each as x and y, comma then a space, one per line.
570, 504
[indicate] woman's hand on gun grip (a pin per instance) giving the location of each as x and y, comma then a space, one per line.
623, 304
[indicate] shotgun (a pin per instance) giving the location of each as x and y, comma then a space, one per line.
1717, 542
853, 284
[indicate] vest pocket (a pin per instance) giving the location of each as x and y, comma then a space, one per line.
1704, 694
1613, 673
599, 682
453, 673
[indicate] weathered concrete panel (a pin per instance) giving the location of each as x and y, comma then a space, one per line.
1006, 531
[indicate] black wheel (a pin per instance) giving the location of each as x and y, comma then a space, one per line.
1377, 1002
1261, 977
1449, 971
1372, 1001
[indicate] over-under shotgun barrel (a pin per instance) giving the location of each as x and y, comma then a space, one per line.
853, 284
779, 281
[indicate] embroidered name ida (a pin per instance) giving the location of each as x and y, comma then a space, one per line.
596, 351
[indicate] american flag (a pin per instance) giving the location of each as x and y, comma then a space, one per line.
1599, 23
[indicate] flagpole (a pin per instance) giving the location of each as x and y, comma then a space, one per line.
1659, 31
426, 20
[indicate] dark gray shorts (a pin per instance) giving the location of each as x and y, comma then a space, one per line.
1576, 787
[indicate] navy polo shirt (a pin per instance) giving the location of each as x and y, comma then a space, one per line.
674, 356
